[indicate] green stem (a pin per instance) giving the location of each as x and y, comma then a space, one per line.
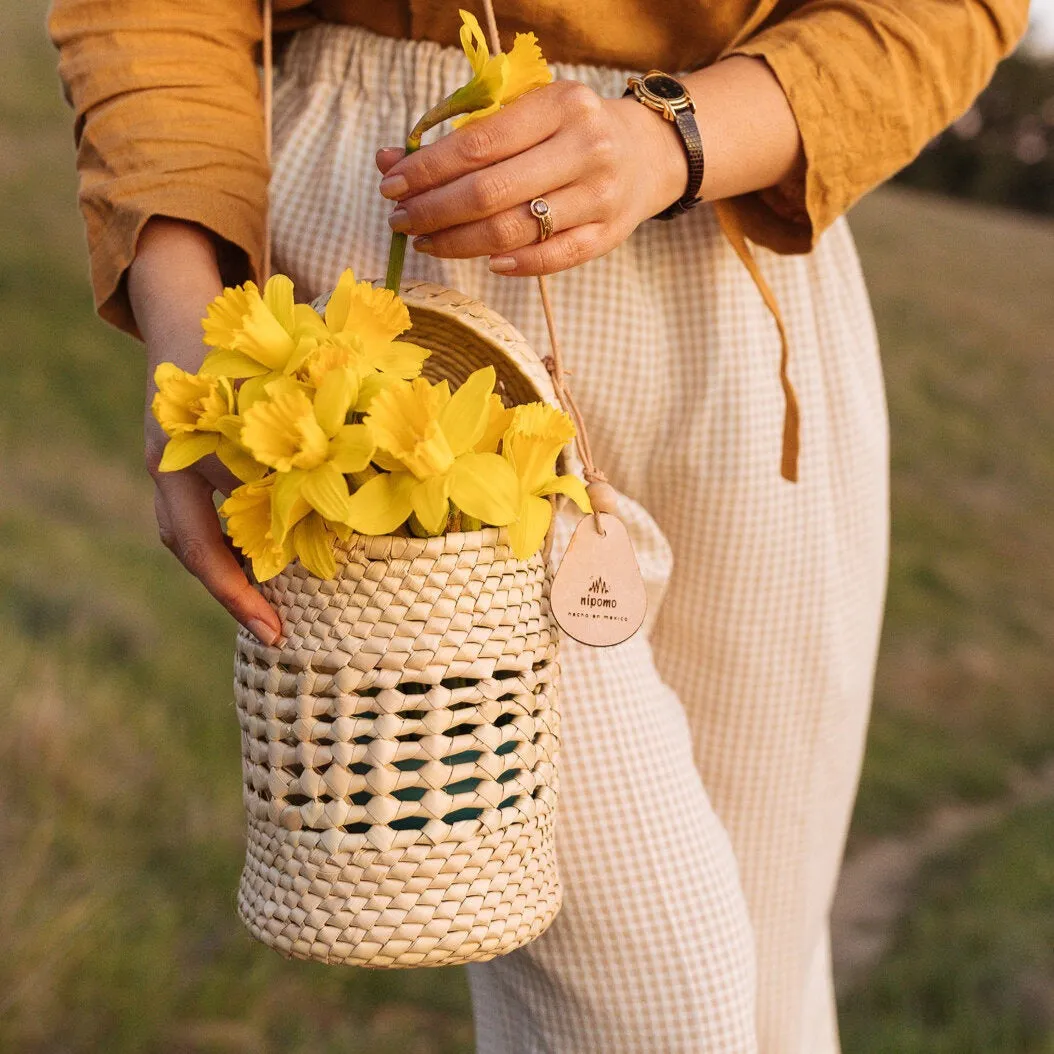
449, 107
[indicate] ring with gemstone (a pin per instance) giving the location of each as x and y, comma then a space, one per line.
544, 215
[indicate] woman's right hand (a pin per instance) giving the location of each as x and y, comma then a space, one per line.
171, 281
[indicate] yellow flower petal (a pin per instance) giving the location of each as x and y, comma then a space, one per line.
402, 358
185, 448
464, 419
382, 504
326, 490
238, 460
313, 544
278, 299
473, 42
485, 486
431, 503
336, 394
351, 449
225, 362
372, 383
527, 533
498, 420
572, 486
288, 504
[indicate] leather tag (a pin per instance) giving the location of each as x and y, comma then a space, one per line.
598, 595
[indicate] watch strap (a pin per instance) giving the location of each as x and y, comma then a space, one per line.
688, 129
692, 142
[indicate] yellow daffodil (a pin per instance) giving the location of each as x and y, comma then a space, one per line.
531, 445
426, 441
197, 414
496, 79
253, 334
249, 518
248, 514
310, 446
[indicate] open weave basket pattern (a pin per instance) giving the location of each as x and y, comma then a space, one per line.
398, 755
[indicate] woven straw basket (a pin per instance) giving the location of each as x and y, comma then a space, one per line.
398, 748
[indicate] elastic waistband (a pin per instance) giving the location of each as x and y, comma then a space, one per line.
338, 54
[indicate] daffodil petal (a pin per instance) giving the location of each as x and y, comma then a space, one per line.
431, 503
382, 504
278, 298
371, 385
186, 448
385, 461
527, 533
326, 490
465, 417
351, 449
239, 461
498, 420
402, 358
288, 505
313, 545
253, 389
226, 362
473, 42
335, 396
485, 486
572, 486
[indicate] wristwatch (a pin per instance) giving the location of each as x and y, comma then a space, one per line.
668, 96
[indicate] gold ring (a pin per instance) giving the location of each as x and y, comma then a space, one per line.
544, 215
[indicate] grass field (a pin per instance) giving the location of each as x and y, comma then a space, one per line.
120, 818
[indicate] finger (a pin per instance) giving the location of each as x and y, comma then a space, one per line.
517, 227
504, 185
387, 156
190, 528
529, 120
569, 248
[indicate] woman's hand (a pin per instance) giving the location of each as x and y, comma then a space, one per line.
172, 279
603, 165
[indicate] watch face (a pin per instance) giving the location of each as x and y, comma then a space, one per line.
663, 87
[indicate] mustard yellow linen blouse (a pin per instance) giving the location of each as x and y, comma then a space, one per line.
168, 117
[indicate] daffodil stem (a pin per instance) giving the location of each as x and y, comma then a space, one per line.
449, 107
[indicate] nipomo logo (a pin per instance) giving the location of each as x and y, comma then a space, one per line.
597, 595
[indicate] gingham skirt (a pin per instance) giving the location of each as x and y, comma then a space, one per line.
709, 765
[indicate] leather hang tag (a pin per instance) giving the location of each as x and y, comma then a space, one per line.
598, 596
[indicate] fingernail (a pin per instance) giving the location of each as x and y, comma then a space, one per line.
502, 263
262, 632
422, 244
399, 221
394, 187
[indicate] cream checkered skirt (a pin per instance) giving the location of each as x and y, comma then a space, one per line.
709, 765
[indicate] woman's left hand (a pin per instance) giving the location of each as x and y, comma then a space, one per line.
603, 166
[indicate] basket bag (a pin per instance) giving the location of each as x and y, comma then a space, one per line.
399, 747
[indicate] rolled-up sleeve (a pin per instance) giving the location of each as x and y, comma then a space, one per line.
168, 122
870, 82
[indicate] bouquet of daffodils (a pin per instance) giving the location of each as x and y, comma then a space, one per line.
332, 430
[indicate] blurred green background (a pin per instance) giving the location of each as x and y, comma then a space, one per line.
121, 832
